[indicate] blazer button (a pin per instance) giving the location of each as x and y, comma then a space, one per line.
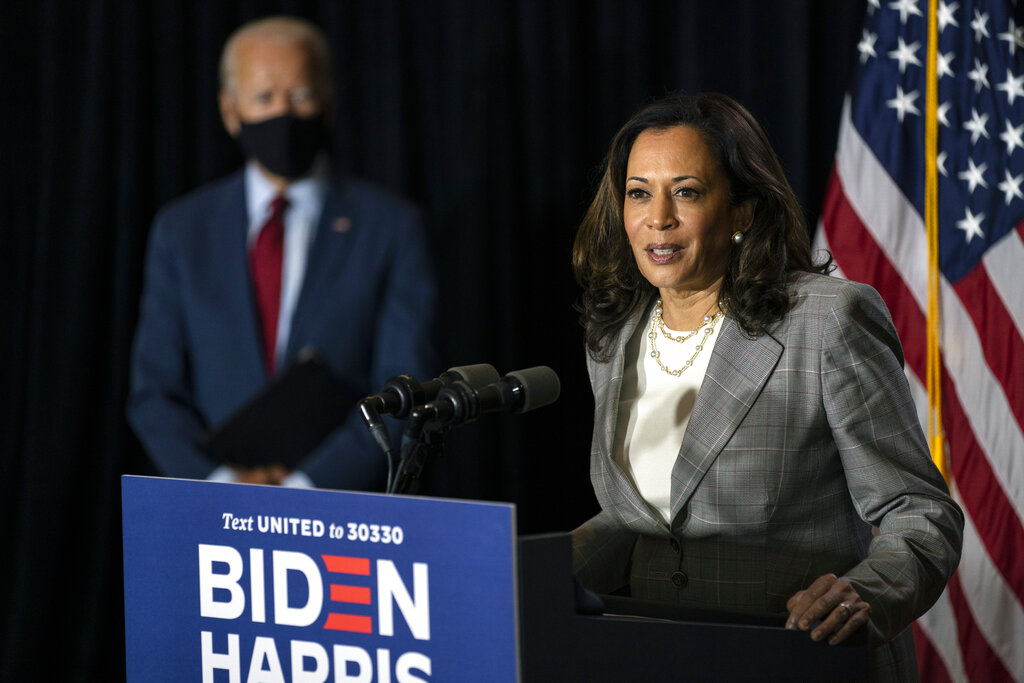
675, 545
680, 579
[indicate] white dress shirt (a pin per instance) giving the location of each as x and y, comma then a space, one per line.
305, 202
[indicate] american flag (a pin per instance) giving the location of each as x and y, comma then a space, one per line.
873, 222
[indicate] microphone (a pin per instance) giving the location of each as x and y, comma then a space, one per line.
402, 393
517, 392
458, 403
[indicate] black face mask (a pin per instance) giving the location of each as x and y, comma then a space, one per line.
285, 145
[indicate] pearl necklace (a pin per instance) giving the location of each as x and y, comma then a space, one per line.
658, 323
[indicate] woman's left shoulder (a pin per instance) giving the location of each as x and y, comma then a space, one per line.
830, 293
832, 308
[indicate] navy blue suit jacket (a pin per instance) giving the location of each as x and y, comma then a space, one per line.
366, 305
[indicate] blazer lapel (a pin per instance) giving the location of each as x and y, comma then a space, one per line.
629, 505
738, 370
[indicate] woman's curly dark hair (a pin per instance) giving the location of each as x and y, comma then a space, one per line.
774, 247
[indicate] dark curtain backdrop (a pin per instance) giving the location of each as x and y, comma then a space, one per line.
494, 116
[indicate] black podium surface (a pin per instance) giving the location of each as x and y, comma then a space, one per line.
557, 644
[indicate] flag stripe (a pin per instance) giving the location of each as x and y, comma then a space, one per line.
1001, 531
1004, 263
998, 337
1004, 534
932, 667
996, 610
981, 662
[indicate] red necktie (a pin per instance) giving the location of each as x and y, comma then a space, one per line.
265, 264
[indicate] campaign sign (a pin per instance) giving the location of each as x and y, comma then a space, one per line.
261, 584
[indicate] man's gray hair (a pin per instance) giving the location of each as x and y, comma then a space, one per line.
287, 30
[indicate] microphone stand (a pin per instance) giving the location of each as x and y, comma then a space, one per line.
422, 438
430, 445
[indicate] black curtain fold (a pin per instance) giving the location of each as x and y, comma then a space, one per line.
493, 116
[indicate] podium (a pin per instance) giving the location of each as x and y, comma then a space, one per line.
232, 582
635, 641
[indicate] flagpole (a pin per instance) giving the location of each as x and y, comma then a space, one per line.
931, 220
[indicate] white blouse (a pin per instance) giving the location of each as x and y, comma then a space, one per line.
655, 407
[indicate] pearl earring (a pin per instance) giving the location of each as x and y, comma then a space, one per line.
737, 237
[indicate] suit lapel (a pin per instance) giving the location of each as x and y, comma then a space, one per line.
737, 372
228, 227
335, 217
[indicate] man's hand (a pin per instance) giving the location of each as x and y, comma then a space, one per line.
270, 474
835, 603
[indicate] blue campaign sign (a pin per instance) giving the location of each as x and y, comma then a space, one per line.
237, 583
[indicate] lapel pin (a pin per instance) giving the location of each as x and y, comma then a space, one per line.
341, 224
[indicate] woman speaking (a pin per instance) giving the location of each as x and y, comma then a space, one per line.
755, 445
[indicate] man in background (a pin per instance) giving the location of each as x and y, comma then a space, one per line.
246, 274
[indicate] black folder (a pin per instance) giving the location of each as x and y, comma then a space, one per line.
284, 423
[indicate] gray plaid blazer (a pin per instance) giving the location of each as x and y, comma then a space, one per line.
803, 456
